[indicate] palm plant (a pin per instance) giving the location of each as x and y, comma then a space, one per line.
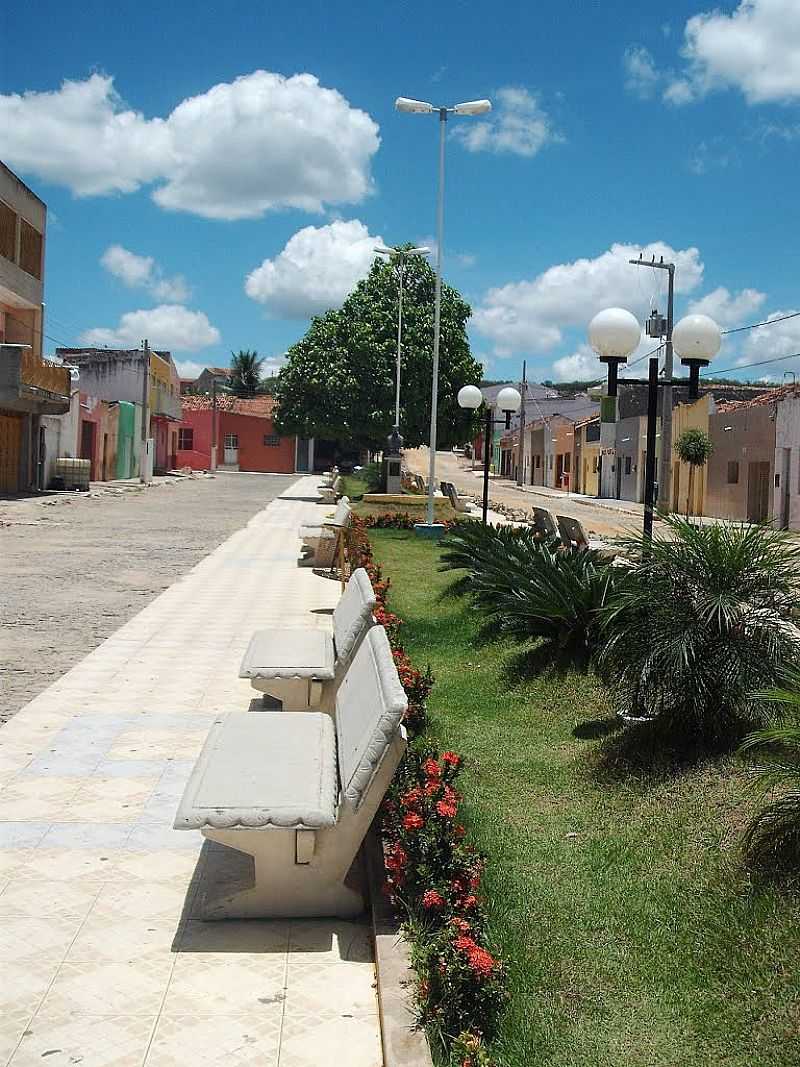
772, 838
245, 377
704, 621
533, 589
693, 447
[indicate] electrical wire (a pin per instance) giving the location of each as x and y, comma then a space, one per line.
759, 363
766, 322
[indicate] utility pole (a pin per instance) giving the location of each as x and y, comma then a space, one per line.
523, 388
665, 472
213, 424
145, 411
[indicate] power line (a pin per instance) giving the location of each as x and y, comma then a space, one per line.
766, 322
760, 363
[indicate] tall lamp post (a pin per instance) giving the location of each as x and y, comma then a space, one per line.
508, 401
614, 334
400, 254
423, 107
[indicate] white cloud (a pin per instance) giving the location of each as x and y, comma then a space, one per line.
168, 326
519, 125
188, 368
316, 269
530, 315
641, 75
142, 272
769, 342
727, 309
755, 49
581, 366
242, 148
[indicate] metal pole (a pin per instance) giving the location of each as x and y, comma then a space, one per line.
399, 347
666, 406
437, 315
145, 412
650, 462
214, 443
521, 449
487, 451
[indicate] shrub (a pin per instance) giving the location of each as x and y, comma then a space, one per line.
772, 838
703, 622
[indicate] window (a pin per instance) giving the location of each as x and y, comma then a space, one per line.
186, 438
231, 440
8, 232
733, 472
627, 465
271, 440
30, 249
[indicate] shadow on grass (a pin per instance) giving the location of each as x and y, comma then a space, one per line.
458, 588
595, 729
650, 753
544, 660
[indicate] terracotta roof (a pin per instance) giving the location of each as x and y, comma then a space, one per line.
771, 396
259, 406
226, 371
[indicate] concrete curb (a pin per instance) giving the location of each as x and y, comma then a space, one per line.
403, 1044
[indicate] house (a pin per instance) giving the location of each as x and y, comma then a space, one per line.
739, 472
205, 381
587, 456
242, 431
31, 388
118, 376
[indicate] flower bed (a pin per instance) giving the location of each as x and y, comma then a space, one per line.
433, 875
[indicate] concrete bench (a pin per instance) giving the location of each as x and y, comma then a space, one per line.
544, 524
321, 541
329, 494
293, 665
297, 794
460, 504
573, 535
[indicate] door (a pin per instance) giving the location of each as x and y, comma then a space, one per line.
231, 449
676, 487
757, 492
41, 460
87, 446
10, 449
785, 487
104, 476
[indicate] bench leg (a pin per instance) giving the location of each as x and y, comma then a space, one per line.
295, 694
274, 884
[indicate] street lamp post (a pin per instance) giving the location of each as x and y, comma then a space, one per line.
614, 334
401, 254
423, 107
508, 401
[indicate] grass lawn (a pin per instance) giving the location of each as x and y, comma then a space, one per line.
632, 934
353, 486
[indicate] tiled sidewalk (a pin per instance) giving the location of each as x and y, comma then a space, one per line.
102, 961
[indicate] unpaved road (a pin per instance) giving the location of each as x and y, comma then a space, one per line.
74, 568
604, 521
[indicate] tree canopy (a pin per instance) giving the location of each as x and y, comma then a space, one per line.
245, 377
338, 382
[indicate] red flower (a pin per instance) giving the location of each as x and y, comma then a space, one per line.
450, 795
481, 961
412, 798
396, 859
459, 831
452, 758
464, 944
460, 924
432, 899
432, 768
447, 811
470, 902
413, 821
431, 788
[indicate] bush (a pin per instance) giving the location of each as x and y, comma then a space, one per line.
772, 838
534, 588
704, 621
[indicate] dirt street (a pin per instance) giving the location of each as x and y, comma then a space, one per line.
75, 567
604, 521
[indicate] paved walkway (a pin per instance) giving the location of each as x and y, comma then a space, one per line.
102, 961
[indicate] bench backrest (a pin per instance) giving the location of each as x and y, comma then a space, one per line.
543, 523
352, 615
337, 484
341, 517
572, 532
370, 704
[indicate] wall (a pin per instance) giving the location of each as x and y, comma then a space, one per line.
254, 455
104, 417
787, 435
631, 442
536, 449
745, 436
693, 416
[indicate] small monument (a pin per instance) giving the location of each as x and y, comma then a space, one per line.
392, 462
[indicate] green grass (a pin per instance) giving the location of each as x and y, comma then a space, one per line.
632, 933
354, 487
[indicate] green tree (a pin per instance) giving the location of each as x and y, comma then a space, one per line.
246, 372
339, 380
693, 447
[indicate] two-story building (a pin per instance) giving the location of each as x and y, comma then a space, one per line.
30, 387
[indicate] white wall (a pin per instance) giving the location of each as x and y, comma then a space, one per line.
787, 435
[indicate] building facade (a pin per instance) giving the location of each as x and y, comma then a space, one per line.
30, 387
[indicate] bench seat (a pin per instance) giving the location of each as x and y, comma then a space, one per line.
257, 771
289, 654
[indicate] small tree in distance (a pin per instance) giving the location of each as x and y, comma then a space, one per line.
245, 377
693, 447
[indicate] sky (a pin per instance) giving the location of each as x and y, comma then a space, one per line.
215, 174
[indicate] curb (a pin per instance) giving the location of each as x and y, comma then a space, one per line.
404, 1045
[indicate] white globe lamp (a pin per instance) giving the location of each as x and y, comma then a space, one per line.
696, 339
614, 333
470, 397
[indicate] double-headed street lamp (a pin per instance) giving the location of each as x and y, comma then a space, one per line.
614, 334
508, 401
401, 255
422, 107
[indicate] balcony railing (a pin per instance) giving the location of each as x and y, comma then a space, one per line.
40, 373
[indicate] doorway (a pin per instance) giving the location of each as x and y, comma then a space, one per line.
785, 487
231, 449
87, 446
757, 492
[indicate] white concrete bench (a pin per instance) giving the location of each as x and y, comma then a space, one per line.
460, 503
298, 793
573, 535
321, 541
293, 665
544, 524
330, 493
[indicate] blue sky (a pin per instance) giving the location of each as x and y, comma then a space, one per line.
615, 126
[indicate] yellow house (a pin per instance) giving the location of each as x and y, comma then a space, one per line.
587, 456
694, 416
